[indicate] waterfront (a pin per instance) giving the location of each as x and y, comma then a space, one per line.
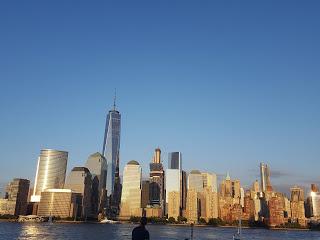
28, 231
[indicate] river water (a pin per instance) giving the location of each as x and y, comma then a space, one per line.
55, 231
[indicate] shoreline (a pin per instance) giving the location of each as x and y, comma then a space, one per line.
168, 224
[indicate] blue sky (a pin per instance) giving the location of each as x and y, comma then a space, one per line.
227, 83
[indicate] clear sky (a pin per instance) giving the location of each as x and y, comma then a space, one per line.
227, 83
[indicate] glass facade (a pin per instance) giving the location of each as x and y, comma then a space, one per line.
174, 160
195, 181
111, 147
97, 166
51, 171
315, 197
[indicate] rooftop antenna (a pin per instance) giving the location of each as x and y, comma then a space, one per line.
114, 99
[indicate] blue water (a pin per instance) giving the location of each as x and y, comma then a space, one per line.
123, 231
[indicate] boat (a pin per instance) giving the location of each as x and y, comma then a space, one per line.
108, 221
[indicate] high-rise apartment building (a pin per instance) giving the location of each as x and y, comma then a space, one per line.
210, 180
80, 181
174, 200
192, 209
51, 172
195, 181
157, 193
313, 203
276, 211
265, 176
15, 202
111, 149
210, 204
131, 191
297, 205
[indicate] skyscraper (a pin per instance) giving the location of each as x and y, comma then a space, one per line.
195, 181
51, 172
131, 190
175, 160
265, 176
297, 205
210, 180
111, 148
80, 181
97, 165
15, 202
174, 179
157, 180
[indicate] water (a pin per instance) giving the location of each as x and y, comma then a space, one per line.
44, 231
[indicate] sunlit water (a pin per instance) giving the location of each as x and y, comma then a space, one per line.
123, 231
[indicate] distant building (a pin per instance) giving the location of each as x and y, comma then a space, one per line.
255, 187
210, 180
210, 204
248, 207
195, 181
297, 206
183, 190
174, 200
51, 172
97, 165
192, 209
145, 187
265, 176
157, 180
131, 191
313, 202
230, 188
175, 160
173, 177
153, 211
111, 148
80, 181
276, 211
59, 203
15, 202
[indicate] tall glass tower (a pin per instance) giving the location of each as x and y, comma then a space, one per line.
111, 147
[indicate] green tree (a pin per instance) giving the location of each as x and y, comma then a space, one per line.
171, 220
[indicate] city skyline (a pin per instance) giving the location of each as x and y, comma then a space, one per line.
227, 88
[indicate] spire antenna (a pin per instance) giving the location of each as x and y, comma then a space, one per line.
114, 99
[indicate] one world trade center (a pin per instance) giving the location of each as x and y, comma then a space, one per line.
111, 148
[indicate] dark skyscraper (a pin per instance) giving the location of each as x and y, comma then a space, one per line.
111, 148
157, 180
174, 160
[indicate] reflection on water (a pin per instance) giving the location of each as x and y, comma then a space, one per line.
45, 231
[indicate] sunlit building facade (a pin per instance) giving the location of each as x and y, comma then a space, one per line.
58, 203
80, 181
195, 181
210, 180
97, 165
15, 202
51, 172
265, 176
131, 191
